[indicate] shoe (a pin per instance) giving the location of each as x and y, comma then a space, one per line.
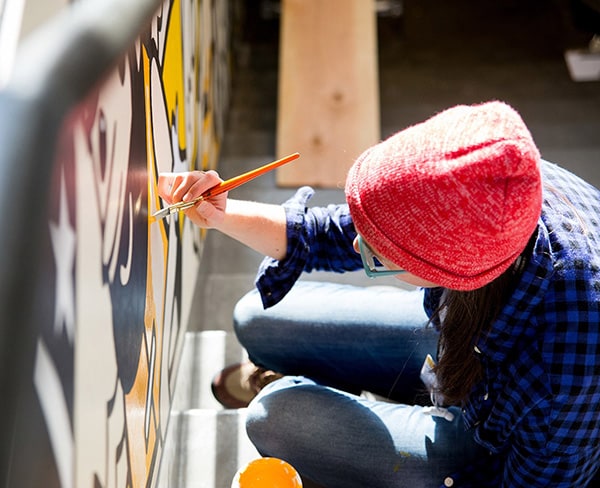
236, 385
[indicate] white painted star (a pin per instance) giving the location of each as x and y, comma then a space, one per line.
63, 245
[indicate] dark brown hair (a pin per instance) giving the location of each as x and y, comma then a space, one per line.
466, 316
463, 318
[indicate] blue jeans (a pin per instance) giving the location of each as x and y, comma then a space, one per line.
333, 342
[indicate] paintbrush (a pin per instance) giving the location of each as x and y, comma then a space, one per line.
224, 186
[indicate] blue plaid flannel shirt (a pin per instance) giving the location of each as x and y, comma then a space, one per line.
537, 411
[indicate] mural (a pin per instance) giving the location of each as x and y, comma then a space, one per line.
117, 287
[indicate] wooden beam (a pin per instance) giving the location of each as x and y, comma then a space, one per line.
328, 100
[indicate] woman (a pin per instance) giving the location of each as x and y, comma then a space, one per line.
504, 250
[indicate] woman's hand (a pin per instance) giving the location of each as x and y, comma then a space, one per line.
187, 186
260, 226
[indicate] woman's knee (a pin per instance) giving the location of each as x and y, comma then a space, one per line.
272, 416
247, 312
288, 414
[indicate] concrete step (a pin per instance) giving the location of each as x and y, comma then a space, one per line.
204, 353
205, 444
205, 448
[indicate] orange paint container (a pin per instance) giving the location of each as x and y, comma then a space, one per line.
267, 473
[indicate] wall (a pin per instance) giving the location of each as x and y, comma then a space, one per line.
115, 288
18, 18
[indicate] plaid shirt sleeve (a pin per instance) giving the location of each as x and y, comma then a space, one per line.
318, 238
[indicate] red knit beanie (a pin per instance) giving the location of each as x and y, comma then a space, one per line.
453, 200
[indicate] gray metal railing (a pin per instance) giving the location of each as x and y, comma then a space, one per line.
54, 69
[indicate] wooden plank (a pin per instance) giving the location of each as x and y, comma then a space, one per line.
328, 100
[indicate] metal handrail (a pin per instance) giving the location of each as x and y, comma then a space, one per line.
56, 66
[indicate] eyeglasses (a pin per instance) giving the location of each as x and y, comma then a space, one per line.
369, 259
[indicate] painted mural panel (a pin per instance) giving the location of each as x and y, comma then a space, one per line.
117, 285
